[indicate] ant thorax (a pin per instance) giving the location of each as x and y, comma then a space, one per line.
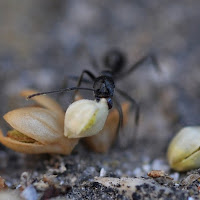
107, 73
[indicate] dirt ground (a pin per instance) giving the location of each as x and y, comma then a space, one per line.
41, 43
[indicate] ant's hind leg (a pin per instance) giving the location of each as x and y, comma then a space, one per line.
137, 110
80, 80
139, 63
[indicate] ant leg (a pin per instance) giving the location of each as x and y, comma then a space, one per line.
134, 103
72, 77
120, 122
64, 84
140, 62
80, 80
59, 91
119, 109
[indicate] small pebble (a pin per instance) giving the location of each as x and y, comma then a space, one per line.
175, 176
62, 168
146, 168
137, 172
156, 173
29, 193
159, 164
118, 172
89, 171
24, 178
102, 172
145, 159
190, 198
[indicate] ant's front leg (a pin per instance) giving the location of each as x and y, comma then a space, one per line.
80, 80
150, 57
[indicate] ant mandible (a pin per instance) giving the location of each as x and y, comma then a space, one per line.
104, 84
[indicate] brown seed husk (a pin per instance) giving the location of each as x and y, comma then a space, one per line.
63, 146
38, 123
102, 141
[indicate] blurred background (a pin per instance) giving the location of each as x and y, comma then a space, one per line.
43, 42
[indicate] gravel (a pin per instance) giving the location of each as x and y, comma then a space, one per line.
44, 42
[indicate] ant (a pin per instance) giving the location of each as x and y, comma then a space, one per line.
104, 84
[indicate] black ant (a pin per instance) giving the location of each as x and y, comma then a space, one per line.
104, 84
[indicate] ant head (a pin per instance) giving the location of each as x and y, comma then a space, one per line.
104, 88
115, 60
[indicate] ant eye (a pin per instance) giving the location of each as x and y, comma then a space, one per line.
114, 60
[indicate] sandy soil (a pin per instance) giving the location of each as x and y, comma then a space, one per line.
41, 43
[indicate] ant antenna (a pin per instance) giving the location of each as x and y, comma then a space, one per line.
58, 91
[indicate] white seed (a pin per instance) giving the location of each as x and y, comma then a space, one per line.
85, 118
